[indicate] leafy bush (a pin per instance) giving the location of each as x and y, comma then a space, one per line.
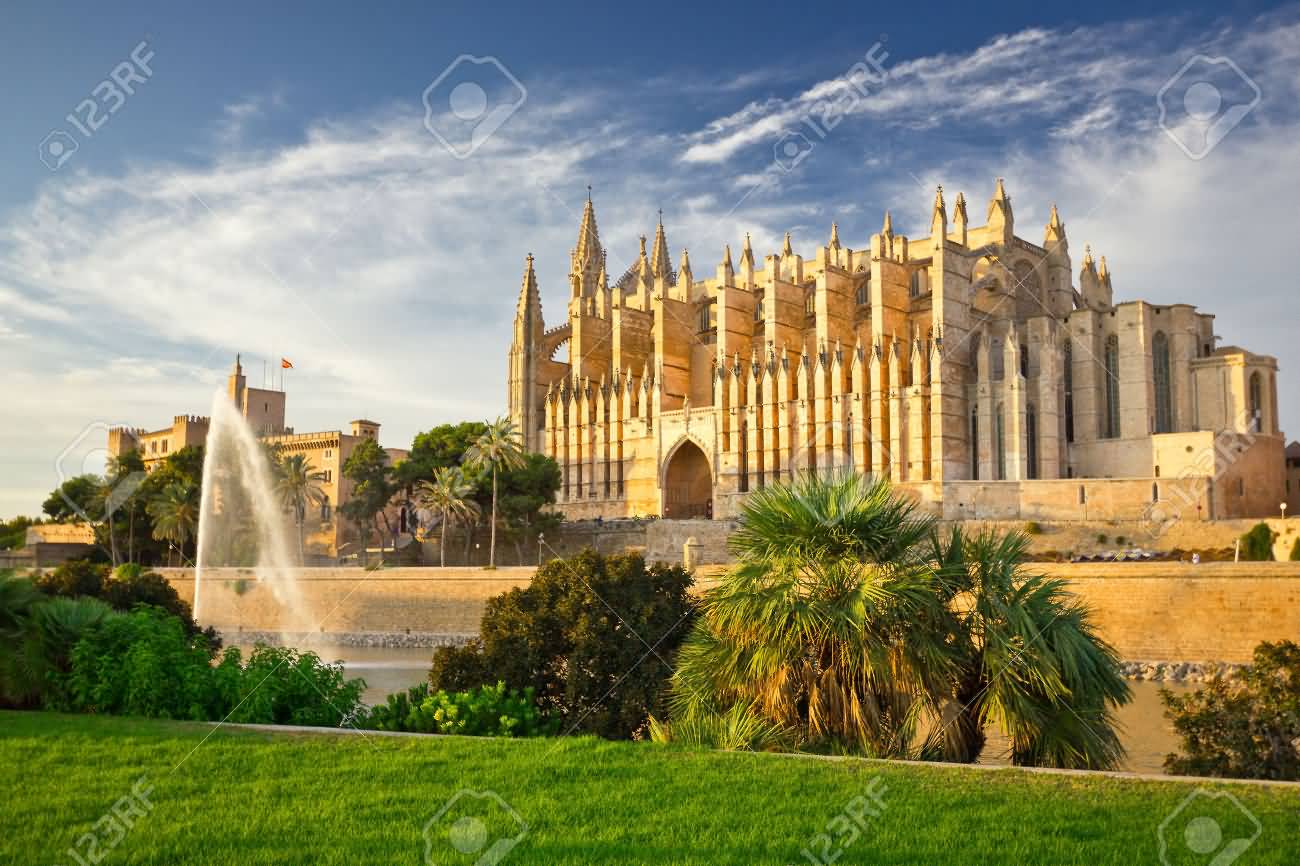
391, 715
1033, 527
1102, 538
37, 635
488, 711
74, 578
143, 664
1243, 728
593, 636
281, 686
123, 589
1295, 551
1257, 544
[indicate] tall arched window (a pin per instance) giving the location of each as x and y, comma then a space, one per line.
975, 358
1069, 388
974, 444
1110, 428
997, 360
1031, 439
999, 434
1163, 383
1256, 403
920, 284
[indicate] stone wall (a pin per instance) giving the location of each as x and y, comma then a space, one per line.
434, 600
1149, 611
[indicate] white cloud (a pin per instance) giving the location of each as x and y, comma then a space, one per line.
388, 271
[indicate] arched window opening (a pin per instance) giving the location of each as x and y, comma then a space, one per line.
975, 358
1256, 403
998, 359
1155, 491
999, 434
974, 444
1024, 361
1162, 378
1069, 389
1031, 439
1110, 370
920, 284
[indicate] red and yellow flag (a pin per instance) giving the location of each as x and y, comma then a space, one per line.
286, 364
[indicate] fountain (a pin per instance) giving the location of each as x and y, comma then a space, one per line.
241, 523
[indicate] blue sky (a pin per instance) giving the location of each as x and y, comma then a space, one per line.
272, 187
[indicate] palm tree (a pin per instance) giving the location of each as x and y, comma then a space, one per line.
449, 495
814, 630
851, 625
298, 486
1030, 659
498, 448
175, 513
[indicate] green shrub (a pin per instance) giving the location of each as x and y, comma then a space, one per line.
281, 686
1257, 544
1243, 728
143, 664
1033, 527
130, 585
487, 711
74, 578
460, 668
1102, 538
1295, 551
1120, 539
593, 636
392, 714
37, 636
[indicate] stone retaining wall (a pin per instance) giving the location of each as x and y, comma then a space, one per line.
1152, 611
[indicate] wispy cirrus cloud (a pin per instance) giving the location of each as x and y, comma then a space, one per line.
388, 270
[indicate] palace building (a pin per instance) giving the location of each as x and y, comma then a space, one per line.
968, 366
264, 410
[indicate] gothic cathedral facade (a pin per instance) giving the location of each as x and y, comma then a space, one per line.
966, 366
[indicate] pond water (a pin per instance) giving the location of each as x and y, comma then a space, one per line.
1145, 732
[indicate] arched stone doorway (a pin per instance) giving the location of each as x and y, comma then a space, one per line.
688, 484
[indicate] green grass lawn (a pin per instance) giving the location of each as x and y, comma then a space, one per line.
249, 797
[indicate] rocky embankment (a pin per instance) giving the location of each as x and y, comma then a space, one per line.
1180, 672
306, 640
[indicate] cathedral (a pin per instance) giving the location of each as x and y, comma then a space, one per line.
968, 366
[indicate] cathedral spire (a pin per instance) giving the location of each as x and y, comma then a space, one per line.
835, 236
529, 297
959, 218
588, 248
1055, 231
939, 216
888, 227
684, 276
1088, 263
747, 252
786, 249
1000, 216
660, 263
